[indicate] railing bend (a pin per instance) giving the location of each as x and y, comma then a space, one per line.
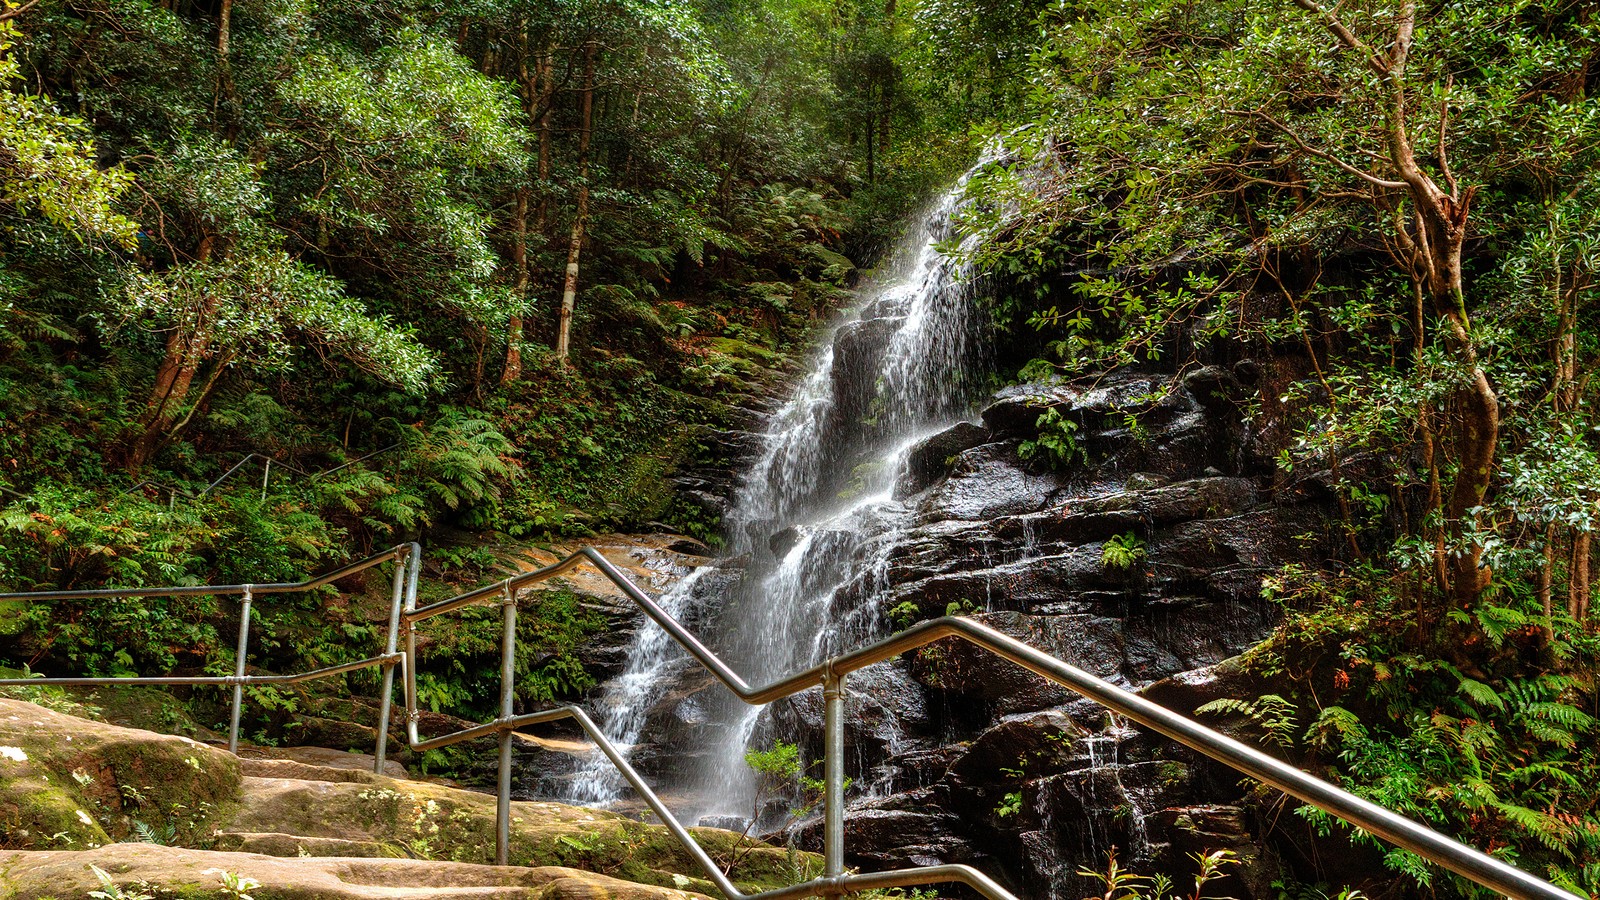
830, 675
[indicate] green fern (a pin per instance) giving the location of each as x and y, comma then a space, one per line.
1272, 713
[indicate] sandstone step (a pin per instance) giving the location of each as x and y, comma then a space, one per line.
147, 869
74, 792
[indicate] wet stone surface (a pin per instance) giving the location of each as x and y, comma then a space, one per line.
1019, 776
1140, 561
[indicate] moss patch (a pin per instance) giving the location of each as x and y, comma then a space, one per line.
70, 783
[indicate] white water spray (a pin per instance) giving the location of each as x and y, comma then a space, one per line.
815, 517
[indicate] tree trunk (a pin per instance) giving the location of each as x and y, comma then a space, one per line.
186, 350
519, 259
224, 26
870, 135
569, 291
1578, 578
1547, 572
1432, 243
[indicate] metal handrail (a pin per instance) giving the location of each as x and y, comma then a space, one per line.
830, 675
238, 680
266, 472
1465, 861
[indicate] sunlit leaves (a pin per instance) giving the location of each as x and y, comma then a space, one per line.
257, 307
47, 160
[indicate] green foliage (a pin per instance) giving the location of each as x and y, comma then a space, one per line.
1123, 551
905, 614
1056, 443
1457, 733
110, 890
1009, 805
1124, 884
237, 886
779, 769
259, 305
1274, 715
459, 671
47, 160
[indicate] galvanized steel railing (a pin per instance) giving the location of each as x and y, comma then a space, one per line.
247, 594
830, 676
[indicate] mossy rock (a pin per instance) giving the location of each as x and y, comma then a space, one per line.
744, 350
68, 783
71, 783
432, 821
183, 874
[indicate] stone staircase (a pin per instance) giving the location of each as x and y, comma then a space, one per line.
83, 802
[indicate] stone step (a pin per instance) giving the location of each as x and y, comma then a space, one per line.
171, 871
74, 791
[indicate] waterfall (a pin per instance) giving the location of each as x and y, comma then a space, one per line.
814, 519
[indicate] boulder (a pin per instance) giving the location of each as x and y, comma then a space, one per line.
1015, 411
932, 457
72, 783
989, 481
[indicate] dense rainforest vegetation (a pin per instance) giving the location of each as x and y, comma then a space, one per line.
482, 268
466, 267
1409, 191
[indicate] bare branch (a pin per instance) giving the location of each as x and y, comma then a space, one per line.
1444, 123
10, 14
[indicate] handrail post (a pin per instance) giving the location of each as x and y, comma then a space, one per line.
238, 670
508, 684
833, 773
408, 670
392, 644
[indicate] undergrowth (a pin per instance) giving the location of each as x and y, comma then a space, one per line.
1487, 728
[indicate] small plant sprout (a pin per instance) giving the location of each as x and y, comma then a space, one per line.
237, 886
1123, 552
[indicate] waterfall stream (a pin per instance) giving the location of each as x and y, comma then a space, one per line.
813, 522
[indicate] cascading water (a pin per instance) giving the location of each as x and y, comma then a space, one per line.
625, 707
815, 517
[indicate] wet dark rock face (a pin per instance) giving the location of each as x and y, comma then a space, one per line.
1018, 776
1140, 562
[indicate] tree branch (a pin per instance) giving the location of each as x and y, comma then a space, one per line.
1323, 155
1444, 123
1347, 37
10, 14
1404, 33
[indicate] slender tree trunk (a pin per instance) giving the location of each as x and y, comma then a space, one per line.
546, 109
224, 26
519, 259
225, 113
1578, 578
512, 370
870, 135
1547, 572
569, 292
